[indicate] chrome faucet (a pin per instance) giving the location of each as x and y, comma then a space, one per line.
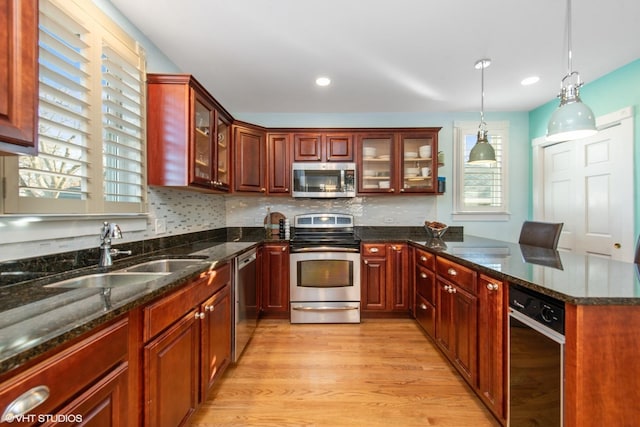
110, 230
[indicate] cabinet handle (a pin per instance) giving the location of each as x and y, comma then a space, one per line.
209, 308
199, 316
452, 290
392, 190
402, 190
284, 248
446, 288
366, 261
373, 250
452, 272
423, 275
26, 402
423, 306
263, 190
394, 247
286, 190
492, 286
423, 258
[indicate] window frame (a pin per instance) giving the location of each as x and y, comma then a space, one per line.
462, 212
103, 32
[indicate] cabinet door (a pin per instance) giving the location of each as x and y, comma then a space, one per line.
275, 280
373, 274
465, 311
250, 157
278, 164
202, 148
418, 168
103, 404
171, 372
426, 315
492, 344
216, 337
425, 284
398, 283
376, 157
338, 147
222, 180
444, 318
19, 77
307, 147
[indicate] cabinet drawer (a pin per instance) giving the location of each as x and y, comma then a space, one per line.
70, 371
165, 311
374, 249
457, 274
426, 316
425, 283
425, 259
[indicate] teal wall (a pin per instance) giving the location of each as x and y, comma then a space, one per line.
612, 92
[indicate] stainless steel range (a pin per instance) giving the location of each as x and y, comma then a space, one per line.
325, 269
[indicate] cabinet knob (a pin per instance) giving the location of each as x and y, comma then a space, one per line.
492, 286
402, 190
263, 190
25, 403
452, 272
423, 306
286, 189
392, 190
199, 316
452, 289
366, 261
423, 258
283, 249
209, 308
373, 250
423, 275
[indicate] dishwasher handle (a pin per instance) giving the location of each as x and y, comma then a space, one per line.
245, 259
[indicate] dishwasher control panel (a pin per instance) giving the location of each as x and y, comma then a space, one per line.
543, 309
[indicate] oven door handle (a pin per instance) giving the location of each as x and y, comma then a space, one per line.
325, 249
343, 308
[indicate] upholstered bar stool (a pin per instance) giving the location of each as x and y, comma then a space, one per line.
540, 234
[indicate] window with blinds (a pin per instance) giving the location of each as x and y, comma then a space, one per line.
480, 188
91, 117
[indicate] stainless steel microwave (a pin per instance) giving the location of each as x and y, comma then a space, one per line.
323, 180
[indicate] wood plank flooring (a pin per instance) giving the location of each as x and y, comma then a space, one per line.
377, 373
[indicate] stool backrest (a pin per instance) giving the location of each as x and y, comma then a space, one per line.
540, 234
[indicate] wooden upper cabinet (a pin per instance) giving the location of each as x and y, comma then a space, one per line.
250, 158
279, 163
323, 147
19, 77
187, 134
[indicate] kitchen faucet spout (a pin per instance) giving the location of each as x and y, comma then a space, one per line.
109, 230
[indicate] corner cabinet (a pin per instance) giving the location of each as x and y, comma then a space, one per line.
19, 77
188, 135
398, 162
250, 154
383, 275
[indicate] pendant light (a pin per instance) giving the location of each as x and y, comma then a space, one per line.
482, 152
572, 119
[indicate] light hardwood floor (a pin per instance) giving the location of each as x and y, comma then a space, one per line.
377, 373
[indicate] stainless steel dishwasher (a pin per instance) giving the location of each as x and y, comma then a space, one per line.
536, 359
245, 295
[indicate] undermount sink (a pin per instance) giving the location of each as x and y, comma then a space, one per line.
169, 265
108, 280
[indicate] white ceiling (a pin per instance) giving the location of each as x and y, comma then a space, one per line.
263, 56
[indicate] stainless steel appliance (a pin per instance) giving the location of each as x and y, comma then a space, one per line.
323, 180
536, 359
325, 269
245, 298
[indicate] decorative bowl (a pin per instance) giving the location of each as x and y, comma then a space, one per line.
435, 229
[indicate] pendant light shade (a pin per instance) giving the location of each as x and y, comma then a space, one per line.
573, 119
482, 152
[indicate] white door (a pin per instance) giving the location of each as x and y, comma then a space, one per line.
588, 185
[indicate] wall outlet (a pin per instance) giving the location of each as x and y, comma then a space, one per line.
161, 225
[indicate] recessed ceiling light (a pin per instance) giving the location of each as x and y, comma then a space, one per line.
530, 80
323, 81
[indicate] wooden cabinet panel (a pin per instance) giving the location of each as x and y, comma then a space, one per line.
373, 273
457, 274
171, 374
275, 280
250, 159
216, 337
279, 164
339, 147
75, 369
307, 147
398, 260
444, 319
465, 329
19, 77
425, 284
384, 278
492, 345
426, 315
425, 259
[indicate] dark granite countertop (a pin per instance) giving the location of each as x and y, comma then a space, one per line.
35, 318
569, 277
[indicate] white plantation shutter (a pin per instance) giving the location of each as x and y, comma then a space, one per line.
91, 118
122, 120
480, 189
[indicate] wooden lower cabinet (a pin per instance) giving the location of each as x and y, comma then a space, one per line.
87, 382
187, 347
384, 274
493, 349
275, 279
171, 374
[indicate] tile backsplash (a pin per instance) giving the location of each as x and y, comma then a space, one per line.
183, 211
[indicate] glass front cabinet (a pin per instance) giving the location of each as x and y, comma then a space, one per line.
398, 162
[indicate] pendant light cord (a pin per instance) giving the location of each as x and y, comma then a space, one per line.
569, 44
